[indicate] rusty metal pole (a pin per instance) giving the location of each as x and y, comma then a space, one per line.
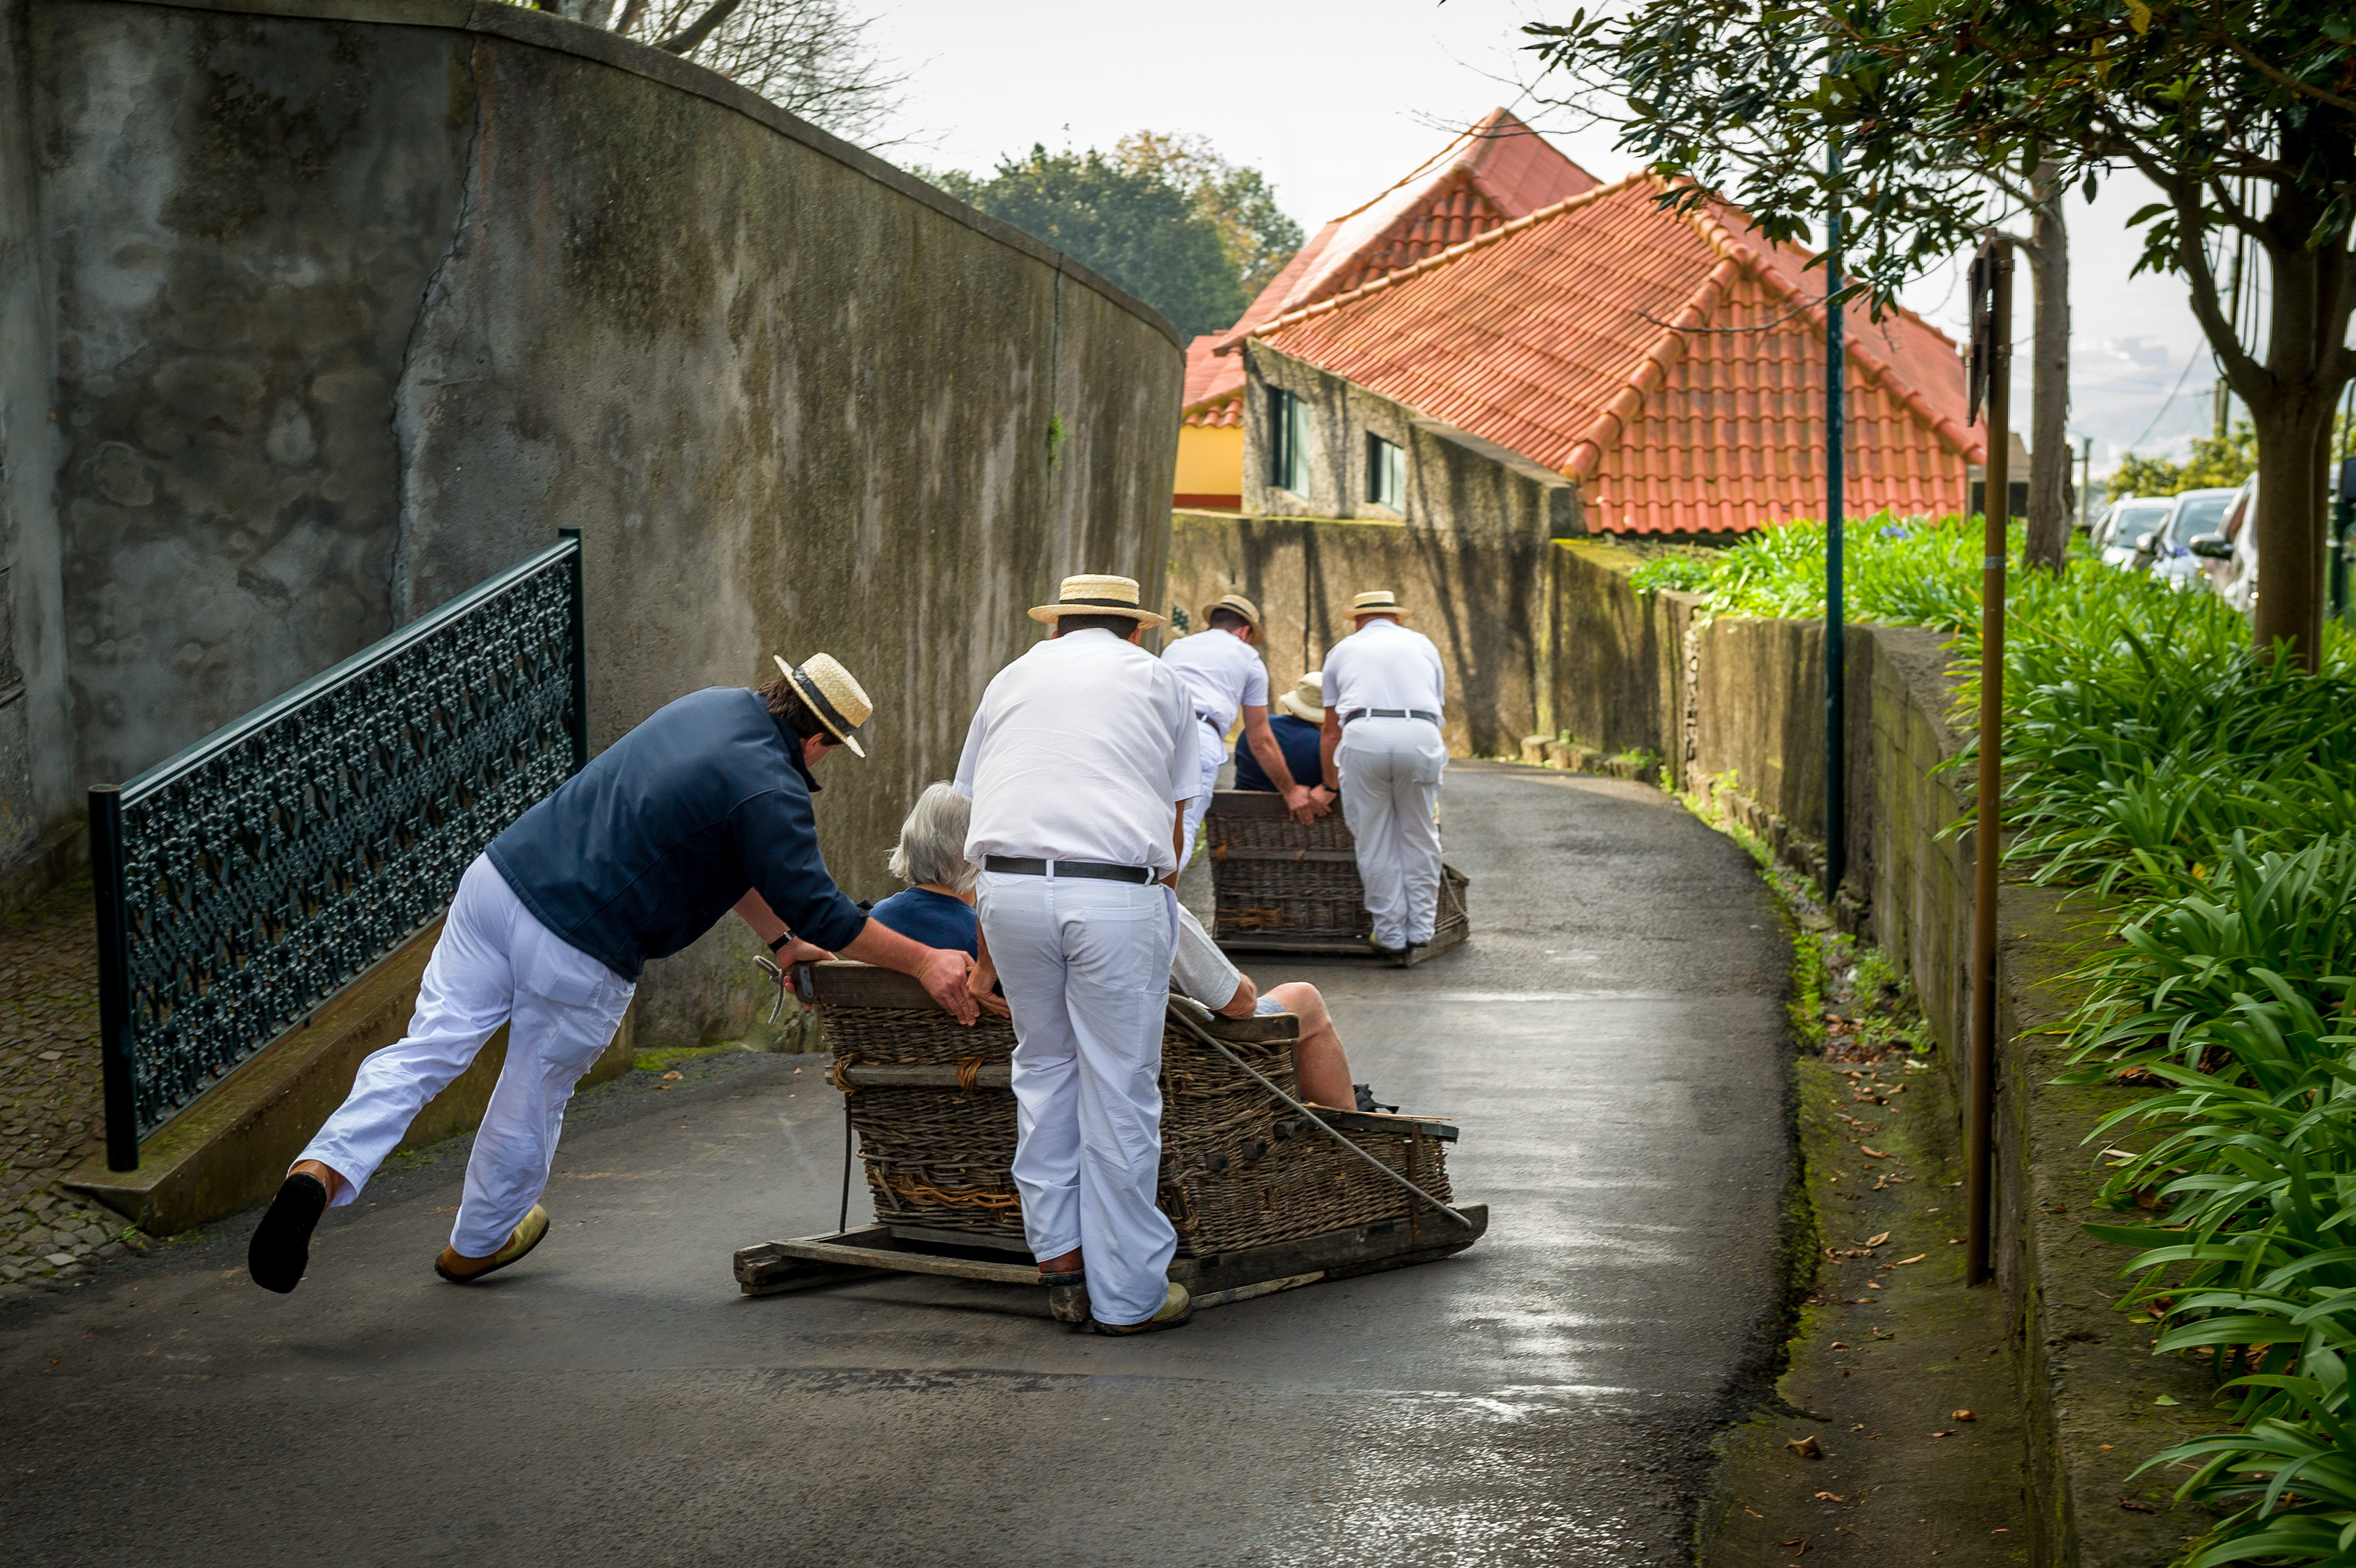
1994, 343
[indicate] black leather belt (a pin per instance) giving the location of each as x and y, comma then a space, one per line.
1095, 870
1354, 714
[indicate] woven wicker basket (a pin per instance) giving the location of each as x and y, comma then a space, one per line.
1240, 1167
1278, 885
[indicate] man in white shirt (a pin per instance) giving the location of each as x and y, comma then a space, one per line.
1225, 675
1079, 765
1382, 748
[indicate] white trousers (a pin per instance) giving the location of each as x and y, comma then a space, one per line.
1214, 752
1086, 970
494, 964
1390, 787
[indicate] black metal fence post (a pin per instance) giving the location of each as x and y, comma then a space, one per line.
1835, 495
579, 653
114, 1041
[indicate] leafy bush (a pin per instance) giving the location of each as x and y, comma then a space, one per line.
2215, 462
2147, 751
1685, 572
1895, 570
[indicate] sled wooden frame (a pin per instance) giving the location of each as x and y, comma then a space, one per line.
871, 1251
1420, 1234
1232, 805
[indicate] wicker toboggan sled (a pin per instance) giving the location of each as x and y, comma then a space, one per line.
1282, 888
1262, 1198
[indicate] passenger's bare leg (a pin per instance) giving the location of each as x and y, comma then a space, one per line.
1325, 1069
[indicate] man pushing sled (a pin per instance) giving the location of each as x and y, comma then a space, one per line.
703, 808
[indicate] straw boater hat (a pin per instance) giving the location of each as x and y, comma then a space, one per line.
839, 702
1097, 596
1307, 698
1380, 602
1235, 602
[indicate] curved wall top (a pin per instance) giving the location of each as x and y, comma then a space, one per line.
314, 314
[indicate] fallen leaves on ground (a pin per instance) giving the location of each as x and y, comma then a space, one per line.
1806, 1447
1963, 1415
1903, 1261
1878, 1240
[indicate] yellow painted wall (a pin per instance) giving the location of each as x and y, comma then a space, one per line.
1210, 460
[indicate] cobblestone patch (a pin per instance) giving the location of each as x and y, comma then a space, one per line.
52, 1108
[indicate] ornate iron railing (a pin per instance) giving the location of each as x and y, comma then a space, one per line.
244, 882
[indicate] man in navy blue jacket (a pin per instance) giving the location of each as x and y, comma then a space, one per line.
703, 808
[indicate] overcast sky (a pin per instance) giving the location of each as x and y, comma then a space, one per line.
1336, 100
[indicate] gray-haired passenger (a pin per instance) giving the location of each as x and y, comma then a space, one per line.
937, 907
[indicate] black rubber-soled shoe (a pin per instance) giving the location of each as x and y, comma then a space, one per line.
1366, 1101
281, 1248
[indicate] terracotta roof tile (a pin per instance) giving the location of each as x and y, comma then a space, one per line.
1666, 360
1496, 170
1217, 414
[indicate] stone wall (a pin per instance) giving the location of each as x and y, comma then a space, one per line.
337, 309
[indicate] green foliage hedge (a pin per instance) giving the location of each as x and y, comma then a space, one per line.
2211, 791
1894, 571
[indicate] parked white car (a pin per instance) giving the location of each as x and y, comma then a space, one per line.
2228, 553
2193, 514
2124, 530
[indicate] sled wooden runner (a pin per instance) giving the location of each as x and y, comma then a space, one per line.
867, 1251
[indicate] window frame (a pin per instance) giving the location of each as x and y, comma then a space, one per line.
1385, 473
1288, 427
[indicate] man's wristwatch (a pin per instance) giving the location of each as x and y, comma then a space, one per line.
780, 941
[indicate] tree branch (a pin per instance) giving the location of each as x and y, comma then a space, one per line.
2240, 219
2284, 79
703, 27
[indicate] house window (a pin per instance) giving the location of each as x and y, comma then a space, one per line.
1386, 473
1288, 427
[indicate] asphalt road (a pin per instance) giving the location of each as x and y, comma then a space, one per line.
1610, 1041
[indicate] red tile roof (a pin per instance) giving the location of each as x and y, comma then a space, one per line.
1497, 170
1670, 361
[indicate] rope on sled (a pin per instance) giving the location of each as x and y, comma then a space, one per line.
1181, 1012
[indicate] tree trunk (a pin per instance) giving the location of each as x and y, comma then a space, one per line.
2048, 382
2291, 402
2294, 439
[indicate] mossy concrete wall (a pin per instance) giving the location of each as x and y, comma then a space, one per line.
1619, 656
1746, 700
320, 311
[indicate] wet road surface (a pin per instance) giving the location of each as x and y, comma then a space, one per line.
1610, 1041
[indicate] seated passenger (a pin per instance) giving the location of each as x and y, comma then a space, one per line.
1298, 718
1202, 971
937, 907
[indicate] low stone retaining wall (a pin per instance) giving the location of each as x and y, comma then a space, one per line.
1737, 707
